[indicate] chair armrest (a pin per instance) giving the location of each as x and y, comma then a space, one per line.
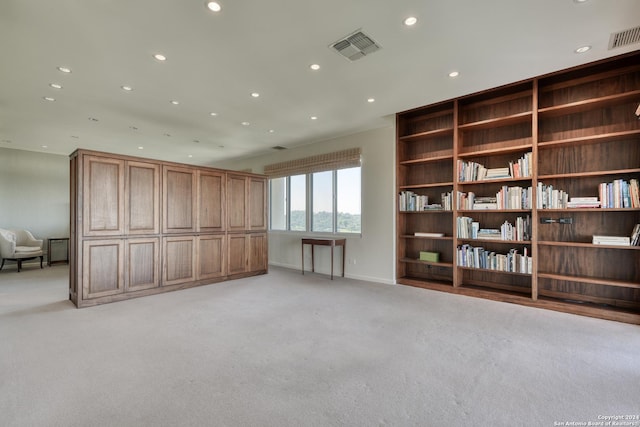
7, 247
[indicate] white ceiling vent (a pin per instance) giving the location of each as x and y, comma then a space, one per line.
624, 38
355, 46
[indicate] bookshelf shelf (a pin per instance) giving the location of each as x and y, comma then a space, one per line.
580, 128
588, 104
502, 242
587, 245
432, 185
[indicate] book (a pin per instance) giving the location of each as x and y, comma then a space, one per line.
612, 240
425, 234
635, 236
429, 256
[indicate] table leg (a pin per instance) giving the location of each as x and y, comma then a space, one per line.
302, 259
313, 267
332, 246
344, 248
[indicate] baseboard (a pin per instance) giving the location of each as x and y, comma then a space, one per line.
348, 276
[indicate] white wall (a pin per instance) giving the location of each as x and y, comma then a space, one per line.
34, 192
373, 252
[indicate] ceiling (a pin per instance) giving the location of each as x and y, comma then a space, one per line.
215, 61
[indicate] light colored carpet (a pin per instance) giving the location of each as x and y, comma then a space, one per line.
290, 350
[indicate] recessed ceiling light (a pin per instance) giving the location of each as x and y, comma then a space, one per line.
127, 88
167, 134
44, 146
454, 74
175, 102
48, 98
271, 131
579, 1
213, 114
245, 123
213, 6
64, 69
55, 85
314, 118
190, 156
370, 100
197, 141
141, 148
93, 119
255, 94
133, 128
75, 137
314, 67
582, 49
160, 57
410, 21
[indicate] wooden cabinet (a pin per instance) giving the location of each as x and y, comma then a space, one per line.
247, 253
179, 255
103, 267
247, 203
142, 204
212, 257
211, 201
103, 194
179, 191
560, 136
141, 227
142, 266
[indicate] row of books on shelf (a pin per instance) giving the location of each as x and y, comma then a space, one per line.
473, 171
478, 257
632, 240
470, 229
506, 198
617, 194
408, 201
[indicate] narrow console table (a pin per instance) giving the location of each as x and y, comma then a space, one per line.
54, 241
324, 242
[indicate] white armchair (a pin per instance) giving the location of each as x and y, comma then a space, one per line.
19, 245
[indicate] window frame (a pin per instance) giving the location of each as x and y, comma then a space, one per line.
309, 205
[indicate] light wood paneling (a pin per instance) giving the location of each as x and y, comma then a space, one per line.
103, 192
179, 193
179, 256
257, 204
237, 202
211, 256
211, 201
103, 267
238, 254
143, 264
258, 252
143, 198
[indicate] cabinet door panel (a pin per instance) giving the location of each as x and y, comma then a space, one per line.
103, 267
103, 193
143, 198
258, 254
238, 254
258, 204
143, 260
179, 257
179, 200
237, 202
211, 200
211, 256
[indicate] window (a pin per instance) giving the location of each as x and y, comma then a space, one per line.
316, 194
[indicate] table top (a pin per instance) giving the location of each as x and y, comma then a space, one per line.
338, 241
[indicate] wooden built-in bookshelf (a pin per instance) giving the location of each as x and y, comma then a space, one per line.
580, 128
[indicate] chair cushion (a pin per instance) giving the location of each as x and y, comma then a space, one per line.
23, 250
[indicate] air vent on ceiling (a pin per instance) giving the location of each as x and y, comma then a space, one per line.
624, 38
355, 46
279, 147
